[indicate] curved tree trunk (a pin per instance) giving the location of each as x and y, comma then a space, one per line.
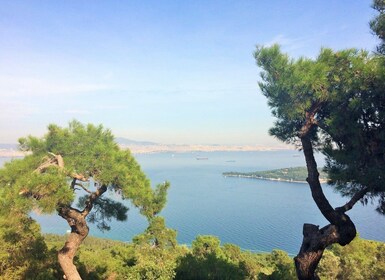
341, 229
79, 231
314, 242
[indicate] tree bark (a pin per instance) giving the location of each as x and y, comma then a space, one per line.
75, 218
79, 231
341, 229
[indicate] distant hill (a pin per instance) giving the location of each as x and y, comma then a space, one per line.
119, 140
9, 146
292, 174
10, 151
139, 147
125, 141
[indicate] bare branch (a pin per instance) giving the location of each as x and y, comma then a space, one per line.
79, 177
83, 187
91, 199
27, 193
356, 197
57, 160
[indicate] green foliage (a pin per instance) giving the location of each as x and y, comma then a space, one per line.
329, 266
295, 87
98, 258
361, 259
378, 24
92, 152
292, 88
108, 259
208, 260
23, 252
88, 152
283, 266
353, 123
152, 201
104, 210
152, 263
155, 252
157, 235
205, 245
18, 180
339, 97
297, 174
64, 161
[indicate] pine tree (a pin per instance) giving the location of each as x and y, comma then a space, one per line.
336, 104
61, 165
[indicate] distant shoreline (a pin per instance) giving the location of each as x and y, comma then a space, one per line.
12, 154
267, 179
322, 181
160, 148
136, 149
289, 175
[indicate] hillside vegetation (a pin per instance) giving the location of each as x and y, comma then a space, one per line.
292, 174
208, 259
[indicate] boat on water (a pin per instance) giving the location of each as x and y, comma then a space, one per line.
202, 158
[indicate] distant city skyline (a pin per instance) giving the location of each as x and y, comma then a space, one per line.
172, 72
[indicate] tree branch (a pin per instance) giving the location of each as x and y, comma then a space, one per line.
83, 187
315, 186
356, 197
310, 118
91, 199
79, 177
57, 160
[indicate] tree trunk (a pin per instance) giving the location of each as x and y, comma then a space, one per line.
79, 231
315, 241
340, 230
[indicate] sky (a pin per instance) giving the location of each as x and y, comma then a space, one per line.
172, 72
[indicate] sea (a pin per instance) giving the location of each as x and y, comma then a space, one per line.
257, 215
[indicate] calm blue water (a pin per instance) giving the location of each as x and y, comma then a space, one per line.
254, 214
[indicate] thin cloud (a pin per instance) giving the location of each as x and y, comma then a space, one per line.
288, 43
112, 107
12, 86
16, 110
297, 46
77, 112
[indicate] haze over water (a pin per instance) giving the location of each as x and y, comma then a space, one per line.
254, 214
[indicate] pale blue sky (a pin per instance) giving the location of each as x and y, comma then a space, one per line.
163, 71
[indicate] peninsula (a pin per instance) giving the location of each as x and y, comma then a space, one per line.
292, 174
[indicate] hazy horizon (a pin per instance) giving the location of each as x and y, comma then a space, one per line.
127, 142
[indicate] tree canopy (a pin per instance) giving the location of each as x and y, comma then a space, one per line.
65, 163
337, 100
334, 103
378, 24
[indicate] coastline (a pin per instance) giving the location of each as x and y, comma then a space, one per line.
173, 148
322, 181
